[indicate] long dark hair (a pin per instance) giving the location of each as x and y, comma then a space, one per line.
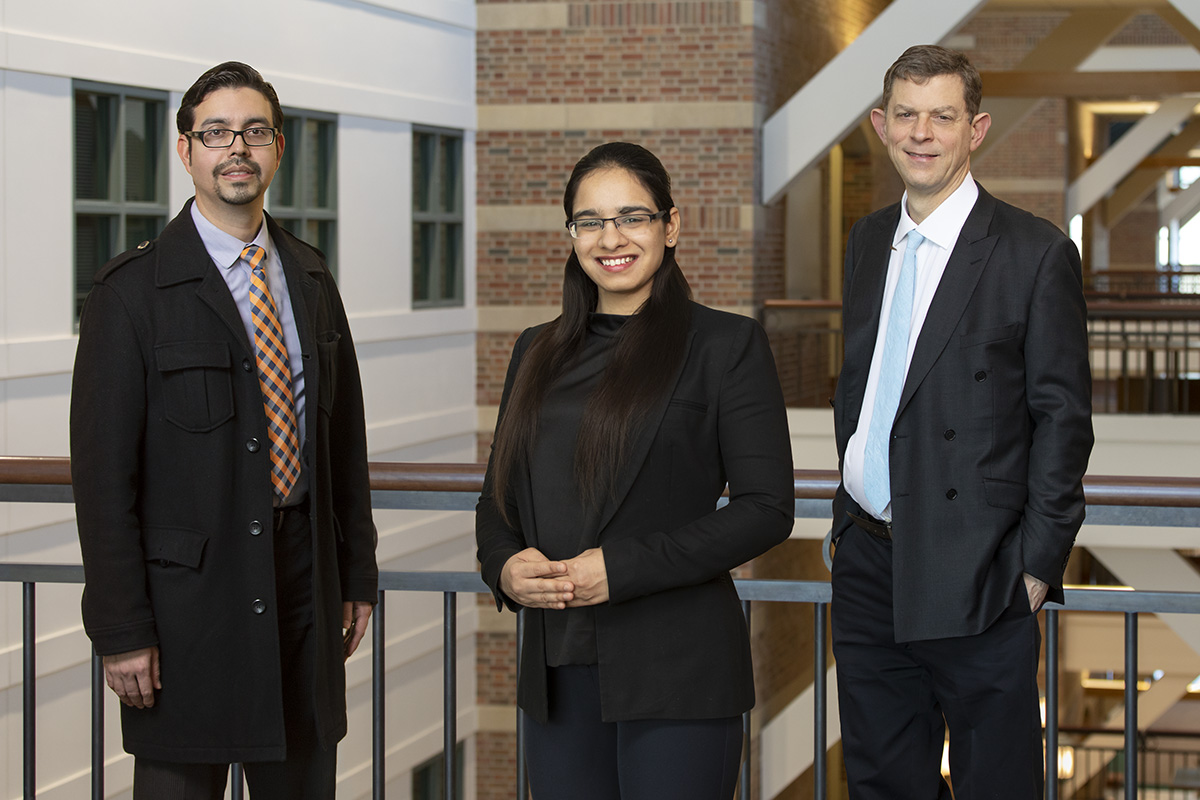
644, 360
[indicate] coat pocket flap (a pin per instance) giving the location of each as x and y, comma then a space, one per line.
189, 355
1005, 494
174, 545
989, 335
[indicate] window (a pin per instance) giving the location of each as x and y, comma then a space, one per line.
303, 195
437, 218
121, 152
428, 779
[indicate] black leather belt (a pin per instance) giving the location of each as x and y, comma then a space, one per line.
876, 527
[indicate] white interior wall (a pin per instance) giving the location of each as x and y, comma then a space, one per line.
381, 66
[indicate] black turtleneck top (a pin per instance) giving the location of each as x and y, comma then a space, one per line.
565, 526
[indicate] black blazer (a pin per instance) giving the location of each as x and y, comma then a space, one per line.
672, 641
993, 432
169, 460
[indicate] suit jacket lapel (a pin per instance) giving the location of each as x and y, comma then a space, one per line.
967, 261
862, 306
640, 448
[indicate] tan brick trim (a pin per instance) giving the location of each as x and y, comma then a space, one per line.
506, 319
632, 116
497, 719
506, 219
520, 16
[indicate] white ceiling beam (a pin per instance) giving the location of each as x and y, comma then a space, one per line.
1182, 207
828, 107
1189, 9
1123, 157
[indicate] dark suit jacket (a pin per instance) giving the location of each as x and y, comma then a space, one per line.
993, 432
169, 459
672, 641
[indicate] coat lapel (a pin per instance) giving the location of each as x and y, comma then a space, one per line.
183, 258
967, 261
640, 448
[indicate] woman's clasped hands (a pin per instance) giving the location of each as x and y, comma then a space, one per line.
534, 581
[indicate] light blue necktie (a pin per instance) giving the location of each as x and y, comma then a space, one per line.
876, 474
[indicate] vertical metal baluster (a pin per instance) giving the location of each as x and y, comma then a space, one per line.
744, 784
820, 709
98, 685
1051, 704
522, 771
450, 707
1131, 703
29, 688
378, 672
239, 789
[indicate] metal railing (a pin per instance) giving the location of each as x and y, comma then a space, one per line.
1169, 772
1177, 280
1170, 502
1145, 355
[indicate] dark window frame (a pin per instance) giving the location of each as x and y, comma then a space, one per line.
439, 282
299, 215
114, 210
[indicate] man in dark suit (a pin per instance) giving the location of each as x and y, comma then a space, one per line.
218, 453
963, 422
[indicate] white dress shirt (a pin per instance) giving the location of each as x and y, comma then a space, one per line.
941, 230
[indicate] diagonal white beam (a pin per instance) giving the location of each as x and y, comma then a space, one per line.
1124, 156
1182, 207
1160, 570
786, 742
1190, 9
821, 114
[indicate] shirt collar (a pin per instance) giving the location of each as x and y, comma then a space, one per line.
945, 223
224, 249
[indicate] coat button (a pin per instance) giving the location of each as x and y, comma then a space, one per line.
252, 445
949, 435
256, 528
246, 365
981, 376
144, 245
953, 493
259, 607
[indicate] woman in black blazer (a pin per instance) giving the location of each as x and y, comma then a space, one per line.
620, 425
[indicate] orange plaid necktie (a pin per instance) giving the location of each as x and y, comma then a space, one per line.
274, 377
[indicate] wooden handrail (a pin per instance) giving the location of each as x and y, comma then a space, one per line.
810, 484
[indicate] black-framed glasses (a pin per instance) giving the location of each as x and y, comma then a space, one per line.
630, 223
223, 137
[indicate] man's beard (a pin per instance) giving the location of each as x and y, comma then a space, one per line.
242, 193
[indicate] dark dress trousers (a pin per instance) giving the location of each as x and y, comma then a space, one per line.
671, 643
173, 496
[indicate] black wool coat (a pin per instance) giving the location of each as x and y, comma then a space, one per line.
169, 460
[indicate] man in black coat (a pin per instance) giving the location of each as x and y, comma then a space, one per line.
222, 498
963, 423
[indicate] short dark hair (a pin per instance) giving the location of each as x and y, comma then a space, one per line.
228, 75
921, 62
